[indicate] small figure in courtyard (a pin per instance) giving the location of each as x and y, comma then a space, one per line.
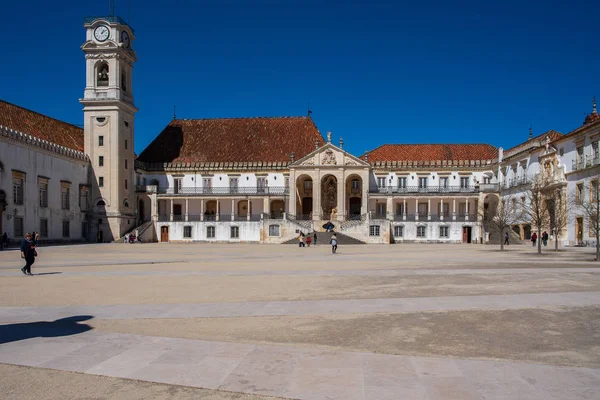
34, 236
315, 238
533, 239
506, 238
127, 238
3, 241
333, 243
301, 239
545, 238
28, 253
308, 240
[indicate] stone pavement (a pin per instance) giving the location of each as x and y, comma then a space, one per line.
52, 333
299, 373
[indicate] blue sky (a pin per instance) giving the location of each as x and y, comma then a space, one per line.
373, 72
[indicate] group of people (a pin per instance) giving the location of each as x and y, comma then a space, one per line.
306, 240
29, 252
544, 238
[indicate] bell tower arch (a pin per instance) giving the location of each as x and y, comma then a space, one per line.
109, 112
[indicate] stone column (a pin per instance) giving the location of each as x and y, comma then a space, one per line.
389, 208
317, 196
454, 209
467, 210
292, 193
442, 209
416, 209
171, 215
266, 209
404, 209
248, 213
341, 201
202, 210
233, 209
428, 209
153, 207
364, 205
218, 217
186, 209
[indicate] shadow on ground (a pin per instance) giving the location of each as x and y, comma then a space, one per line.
61, 327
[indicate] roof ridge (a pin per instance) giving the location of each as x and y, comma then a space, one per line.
39, 113
230, 118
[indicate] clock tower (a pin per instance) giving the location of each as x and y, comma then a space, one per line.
109, 111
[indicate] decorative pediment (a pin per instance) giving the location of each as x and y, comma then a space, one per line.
329, 155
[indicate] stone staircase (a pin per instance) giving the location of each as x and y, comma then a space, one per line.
496, 237
325, 237
141, 230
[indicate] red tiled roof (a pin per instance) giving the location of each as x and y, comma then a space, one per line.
233, 140
41, 126
433, 152
536, 141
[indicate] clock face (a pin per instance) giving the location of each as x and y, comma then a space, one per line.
101, 33
125, 38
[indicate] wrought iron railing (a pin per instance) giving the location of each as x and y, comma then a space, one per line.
223, 191
586, 162
424, 190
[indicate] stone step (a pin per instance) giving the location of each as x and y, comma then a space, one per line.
325, 237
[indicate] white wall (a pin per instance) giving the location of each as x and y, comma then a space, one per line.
36, 162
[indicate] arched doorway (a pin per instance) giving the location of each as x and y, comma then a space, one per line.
211, 210
242, 208
304, 190
277, 208
354, 196
328, 195
141, 211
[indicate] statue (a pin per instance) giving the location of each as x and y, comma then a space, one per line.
329, 158
334, 214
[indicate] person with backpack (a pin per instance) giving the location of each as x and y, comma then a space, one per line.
334, 244
28, 253
506, 238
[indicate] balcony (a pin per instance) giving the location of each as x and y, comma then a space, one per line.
223, 191
585, 162
514, 182
433, 190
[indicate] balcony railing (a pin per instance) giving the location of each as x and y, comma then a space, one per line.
586, 162
422, 190
514, 182
223, 191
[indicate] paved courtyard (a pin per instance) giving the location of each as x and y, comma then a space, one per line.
191, 321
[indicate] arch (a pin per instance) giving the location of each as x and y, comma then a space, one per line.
353, 196
100, 203
277, 208
210, 212
102, 73
329, 196
242, 208
304, 193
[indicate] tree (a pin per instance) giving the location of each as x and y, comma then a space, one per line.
535, 208
502, 218
588, 206
558, 214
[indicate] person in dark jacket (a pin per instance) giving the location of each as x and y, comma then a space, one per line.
28, 253
315, 238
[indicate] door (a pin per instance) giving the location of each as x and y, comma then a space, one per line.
100, 236
176, 209
579, 230
164, 233
307, 206
141, 211
466, 234
354, 206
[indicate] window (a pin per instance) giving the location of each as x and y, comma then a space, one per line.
233, 185
380, 209
444, 232
287, 182
261, 184
273, 230
125, 163
464, 182
83, 198
43, 227
374, 230
423, 209
421, 231
561, 151
124, 82
125, 184
100, 181
422, 182
593, 191
206, 184
125, 144
355, 186
402, 182
579, 193
381, 181
66, 229
176, 185
444, 209
487, 180
101, 141
595, 152
399, 208
443, 182
210, 232
102, 75
187, 232
398, 231
101, 161
18, 180
235, 232
18, 226
65, 192
43, 192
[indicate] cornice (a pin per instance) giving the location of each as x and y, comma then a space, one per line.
32, 141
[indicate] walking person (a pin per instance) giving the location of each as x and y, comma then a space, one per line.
301, 240
308, 240
506, 238
545, 238
333, 243
533, 239
315, 238
28, 253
